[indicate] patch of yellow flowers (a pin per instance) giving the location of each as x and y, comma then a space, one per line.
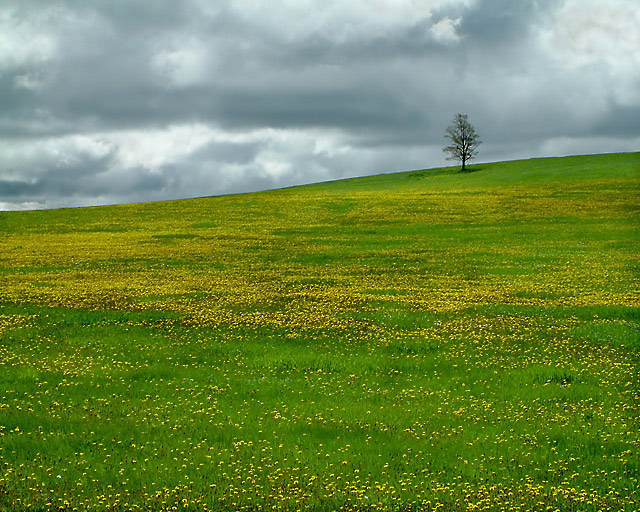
316, 263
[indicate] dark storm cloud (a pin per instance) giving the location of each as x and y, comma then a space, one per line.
499, 22
79, 176
118, 101
84, 175
346, 109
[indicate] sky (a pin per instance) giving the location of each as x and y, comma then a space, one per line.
115, 101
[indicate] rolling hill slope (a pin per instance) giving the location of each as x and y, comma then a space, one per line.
416, 340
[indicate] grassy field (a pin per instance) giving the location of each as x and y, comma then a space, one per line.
417, 341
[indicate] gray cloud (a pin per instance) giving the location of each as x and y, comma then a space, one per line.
129, 101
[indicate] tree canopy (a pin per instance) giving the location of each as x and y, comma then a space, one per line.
464, 140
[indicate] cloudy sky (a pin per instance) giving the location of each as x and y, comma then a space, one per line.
114, 101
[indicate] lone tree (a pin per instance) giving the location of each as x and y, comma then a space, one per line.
464, 140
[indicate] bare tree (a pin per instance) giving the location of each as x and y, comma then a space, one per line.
464, 140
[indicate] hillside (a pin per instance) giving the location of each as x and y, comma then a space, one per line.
424, 339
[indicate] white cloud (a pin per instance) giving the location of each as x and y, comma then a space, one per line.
154, 148
603, 40
186, 62
444, 31
30, 81
25, 40
27, 205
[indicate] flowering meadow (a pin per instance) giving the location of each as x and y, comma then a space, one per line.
429, 340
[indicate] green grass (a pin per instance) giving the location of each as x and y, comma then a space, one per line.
427, 340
